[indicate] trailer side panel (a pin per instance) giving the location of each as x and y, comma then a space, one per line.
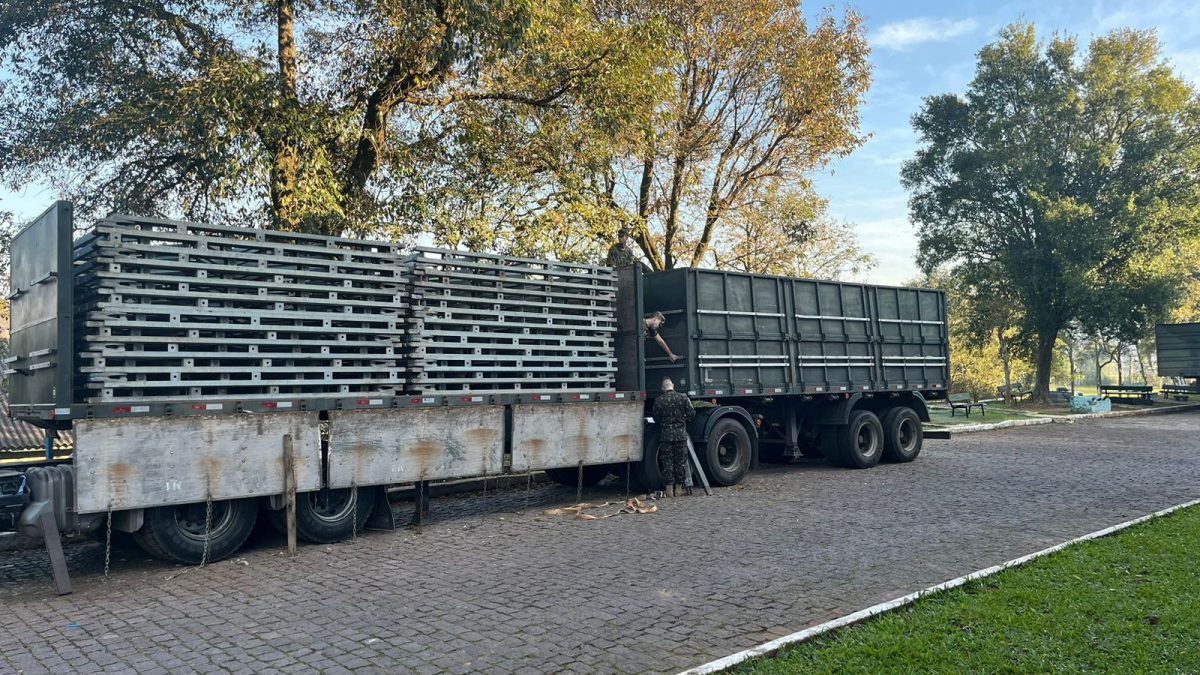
141, 462
377, 447
554, 436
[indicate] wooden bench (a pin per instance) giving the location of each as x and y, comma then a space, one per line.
1179, 392
1140, 395
964, 402
1018, 392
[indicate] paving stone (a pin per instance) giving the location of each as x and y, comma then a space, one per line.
706, 576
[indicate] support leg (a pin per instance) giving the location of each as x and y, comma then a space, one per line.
699, 469
58, 561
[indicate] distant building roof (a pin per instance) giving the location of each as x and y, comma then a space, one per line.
24, 437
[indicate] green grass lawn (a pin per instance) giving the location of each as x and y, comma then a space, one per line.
1128, 603
995, 413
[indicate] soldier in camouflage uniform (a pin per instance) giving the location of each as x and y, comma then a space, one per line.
672, 412
621, 255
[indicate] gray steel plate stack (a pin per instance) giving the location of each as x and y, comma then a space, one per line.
500, 324
170, 311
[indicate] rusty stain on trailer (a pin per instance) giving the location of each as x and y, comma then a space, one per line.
556, 436
375, 447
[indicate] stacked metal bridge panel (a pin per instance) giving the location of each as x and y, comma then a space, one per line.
501, 324
168, 310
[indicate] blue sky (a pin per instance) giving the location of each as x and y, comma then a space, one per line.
919, 49
925, 48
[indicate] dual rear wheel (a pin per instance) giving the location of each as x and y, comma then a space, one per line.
866, 439
192, 533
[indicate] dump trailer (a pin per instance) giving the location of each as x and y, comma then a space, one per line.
211, 375
1178, 349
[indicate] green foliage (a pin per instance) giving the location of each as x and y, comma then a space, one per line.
1060, 179
789, 233
716, 104
324, 116
1121, 604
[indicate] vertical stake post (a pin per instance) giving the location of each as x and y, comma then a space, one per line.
289, 491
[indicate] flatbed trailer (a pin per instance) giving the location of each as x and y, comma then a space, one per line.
778, 368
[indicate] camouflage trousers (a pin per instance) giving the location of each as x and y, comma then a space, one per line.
673, 459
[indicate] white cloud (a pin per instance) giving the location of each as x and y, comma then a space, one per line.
901, 35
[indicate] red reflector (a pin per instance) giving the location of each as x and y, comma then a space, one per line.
270, 405
364, 401
416, 400
199, 406
122, 409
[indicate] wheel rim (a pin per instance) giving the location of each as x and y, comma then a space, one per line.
728, 452
331, 506
866, 440
190, 519
908, 435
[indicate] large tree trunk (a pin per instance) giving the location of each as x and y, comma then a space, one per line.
1043, 361
1137, 351
285, 155
1117, 358
1005, 357
1071, 359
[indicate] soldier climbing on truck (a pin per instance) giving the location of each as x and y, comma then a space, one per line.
620, 255
654, 322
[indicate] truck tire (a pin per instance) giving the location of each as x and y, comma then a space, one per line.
728, 453
569, 476
176, 533
647, 475
857, 444
326, 516
903, 434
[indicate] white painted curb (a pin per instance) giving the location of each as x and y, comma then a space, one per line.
863, 614
1062, 419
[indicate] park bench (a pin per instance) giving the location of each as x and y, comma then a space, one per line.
964, 402
1141, 395
1179, 392
1018, 391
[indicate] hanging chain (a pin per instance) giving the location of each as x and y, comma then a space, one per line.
579, 485
208, 509
108, 541
354, 512
628, 470
420, 503
528, 488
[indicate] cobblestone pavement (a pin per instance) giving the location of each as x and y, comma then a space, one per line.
492, 584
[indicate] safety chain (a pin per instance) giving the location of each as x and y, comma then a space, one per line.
628, 470
579, 485
108, 541
354, 512
528, 487
208, 508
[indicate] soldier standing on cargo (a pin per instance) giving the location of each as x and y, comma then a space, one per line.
621, 255
653, 323
672, 413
